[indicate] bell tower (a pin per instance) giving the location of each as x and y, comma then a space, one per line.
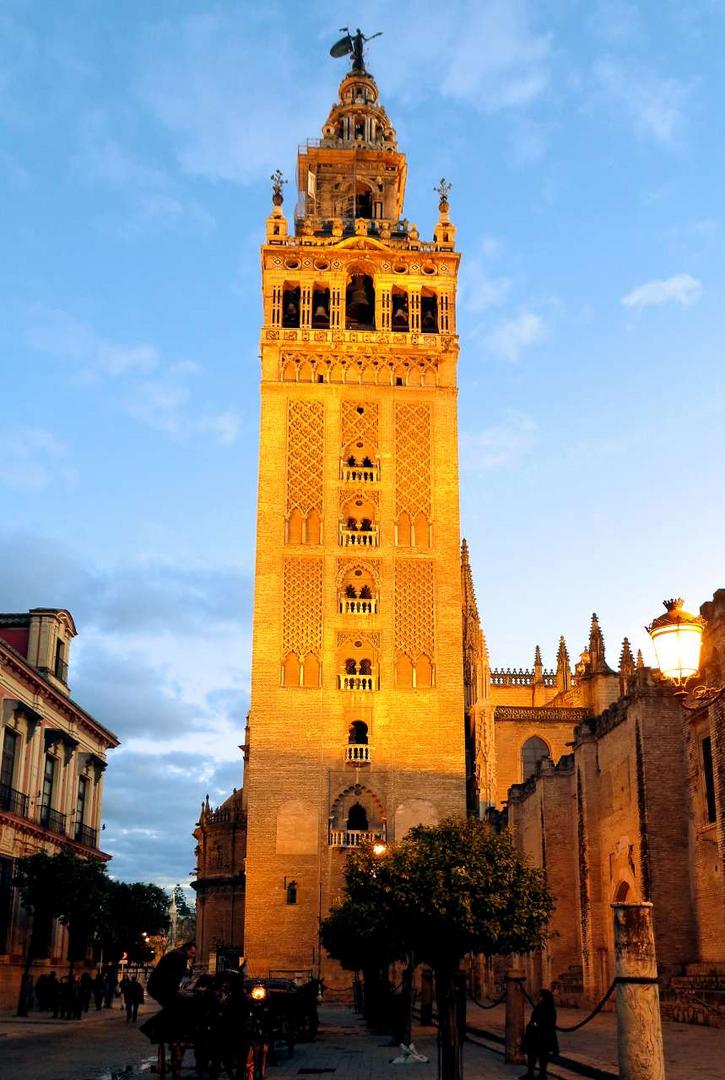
356, 727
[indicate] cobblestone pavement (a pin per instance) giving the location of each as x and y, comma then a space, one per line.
691, 1052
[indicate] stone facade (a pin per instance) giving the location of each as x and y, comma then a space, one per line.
221, 836
51, 776
635, 812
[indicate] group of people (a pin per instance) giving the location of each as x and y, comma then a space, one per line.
70, 996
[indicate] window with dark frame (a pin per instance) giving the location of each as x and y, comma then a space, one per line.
11, 740
709, 777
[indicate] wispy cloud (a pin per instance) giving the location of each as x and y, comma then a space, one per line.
681, 289
511, 338
157, 389
502, 445
478, 290
33, 458
653, 104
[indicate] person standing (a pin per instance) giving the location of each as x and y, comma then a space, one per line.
540, 1041
132, 998
98, 990
86, 986
165, 979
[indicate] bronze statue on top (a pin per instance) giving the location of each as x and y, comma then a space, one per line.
353, 44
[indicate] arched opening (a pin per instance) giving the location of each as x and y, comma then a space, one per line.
423, 672
305, 371
620, 896
421, 530
350, 665
363, 202
320, 308
290, 305
289, 371
360, 303
428, 312
400, 320
404, 672
291, 892
294, 528
313, 527
533, 752
357, 592
358, 733
404, 530
311, 671
366, 666
291, 670
357, 818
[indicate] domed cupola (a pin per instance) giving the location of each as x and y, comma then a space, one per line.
358, 120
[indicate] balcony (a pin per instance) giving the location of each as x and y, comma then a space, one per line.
359, 537
52, 820
357, 754
13, 802
355, 837
360, 474
356, 682
358, 606
86, 836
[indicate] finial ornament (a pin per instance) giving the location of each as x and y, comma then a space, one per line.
443, 188
277, 181
352, 44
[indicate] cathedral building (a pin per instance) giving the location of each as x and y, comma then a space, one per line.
373, 703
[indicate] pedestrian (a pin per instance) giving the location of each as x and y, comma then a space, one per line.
41, 992
51, 993
109, 987
86, 988
132, 997
98, 990
540, 1041
165, 979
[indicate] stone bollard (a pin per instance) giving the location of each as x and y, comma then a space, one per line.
639, 1025
514, 1049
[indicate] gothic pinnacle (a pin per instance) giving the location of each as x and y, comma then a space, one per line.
626, 660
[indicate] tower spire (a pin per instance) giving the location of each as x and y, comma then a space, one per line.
626, 666
597, 661
538, 666
563, 668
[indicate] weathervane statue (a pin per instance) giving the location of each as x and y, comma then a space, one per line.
353, 43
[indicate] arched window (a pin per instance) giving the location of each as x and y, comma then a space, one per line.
360, 303
428, 312
321, 308
400, 320
357, 818
358, 734
291, 892
533, 751
291, 305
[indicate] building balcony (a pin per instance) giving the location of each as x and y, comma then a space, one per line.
357, 682
52, 820
355, 837
359, 537
86, 836
13, 802
357, 754
360, 474
350, 605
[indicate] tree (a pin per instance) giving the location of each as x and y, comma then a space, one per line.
132, 912
444, 891
62, 886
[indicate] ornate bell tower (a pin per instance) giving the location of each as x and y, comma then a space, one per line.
356, 728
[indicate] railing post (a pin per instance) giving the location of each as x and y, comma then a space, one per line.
514, 1048
639, 1024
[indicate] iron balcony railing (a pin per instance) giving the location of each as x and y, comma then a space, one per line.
86, 836
355, 837
13, 802
52, 820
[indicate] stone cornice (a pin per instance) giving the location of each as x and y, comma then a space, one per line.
532, 714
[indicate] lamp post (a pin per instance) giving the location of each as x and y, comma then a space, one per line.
677, 640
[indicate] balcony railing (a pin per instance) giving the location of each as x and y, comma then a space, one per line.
52, 820
86, 836
354, 837
357, 606
357, 754
360, 474
13, 802
359, 537
356, 682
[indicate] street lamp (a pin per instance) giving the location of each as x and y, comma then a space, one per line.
379, 848
677, 640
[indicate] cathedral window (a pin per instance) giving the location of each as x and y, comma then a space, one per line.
533, 752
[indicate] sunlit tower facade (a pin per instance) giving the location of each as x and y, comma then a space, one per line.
356, 722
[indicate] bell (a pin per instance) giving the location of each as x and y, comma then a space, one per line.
320, 312
358, 304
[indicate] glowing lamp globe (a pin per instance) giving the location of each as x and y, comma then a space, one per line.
379, 848
677, 637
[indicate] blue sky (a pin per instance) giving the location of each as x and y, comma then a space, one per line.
585, 144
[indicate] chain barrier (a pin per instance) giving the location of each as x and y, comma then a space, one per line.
597, 1008
493, 1005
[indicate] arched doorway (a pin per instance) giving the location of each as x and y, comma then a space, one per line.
533, 751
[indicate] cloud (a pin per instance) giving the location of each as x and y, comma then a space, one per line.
511, 338
500, 446
681, 289
478, 290
653, 104
33, 458
158, 394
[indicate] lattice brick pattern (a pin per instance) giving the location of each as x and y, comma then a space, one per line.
368, 637
414, 615
305, 445
359, 426
412, 460
349, 498
302, 607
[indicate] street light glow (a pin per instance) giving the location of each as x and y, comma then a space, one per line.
677, 638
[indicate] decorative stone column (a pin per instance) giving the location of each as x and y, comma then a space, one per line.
639, 1025
514, 1049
